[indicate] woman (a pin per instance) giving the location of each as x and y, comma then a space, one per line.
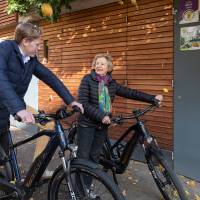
96, 93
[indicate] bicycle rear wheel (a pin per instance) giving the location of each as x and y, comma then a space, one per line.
100, 187
165, 178
6, 175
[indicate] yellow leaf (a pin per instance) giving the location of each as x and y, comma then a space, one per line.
187, 193
130, 178
124, 192
197, 197
191, 183
165, 90
50, 97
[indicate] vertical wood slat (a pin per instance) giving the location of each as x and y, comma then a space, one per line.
6, 33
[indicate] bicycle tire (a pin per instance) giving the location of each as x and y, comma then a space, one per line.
165, 178
5, 166
72, 135
6, 175
107, 191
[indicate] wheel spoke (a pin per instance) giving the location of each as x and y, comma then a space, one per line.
85, 191
162, 175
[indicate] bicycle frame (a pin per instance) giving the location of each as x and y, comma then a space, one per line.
41, 162
24, 189
123, 159
139, 134
116, 156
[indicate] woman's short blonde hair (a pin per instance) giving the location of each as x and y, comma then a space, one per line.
108, 57
27, 30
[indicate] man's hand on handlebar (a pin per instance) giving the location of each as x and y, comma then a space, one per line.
43, 118
26, 116
79, 105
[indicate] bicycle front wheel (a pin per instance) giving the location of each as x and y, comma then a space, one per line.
165, 178
88, 183
5, 166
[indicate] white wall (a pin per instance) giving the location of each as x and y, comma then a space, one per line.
31, 99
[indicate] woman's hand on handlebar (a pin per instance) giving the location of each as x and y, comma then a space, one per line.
159, 99
79, 105
106, 120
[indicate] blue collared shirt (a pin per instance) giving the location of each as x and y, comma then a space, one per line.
25, 58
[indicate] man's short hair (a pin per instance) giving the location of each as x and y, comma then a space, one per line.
27, 30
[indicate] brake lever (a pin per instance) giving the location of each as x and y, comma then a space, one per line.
41, 118
156, 103
117, 120
76, 109
17, 118
62, 113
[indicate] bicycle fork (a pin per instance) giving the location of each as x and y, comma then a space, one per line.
66, 168
14, 159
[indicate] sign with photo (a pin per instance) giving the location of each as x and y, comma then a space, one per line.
190, 38
188, 11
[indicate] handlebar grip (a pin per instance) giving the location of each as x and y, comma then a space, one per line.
76, 109
41, 118
17, 118
116, 120
156, 102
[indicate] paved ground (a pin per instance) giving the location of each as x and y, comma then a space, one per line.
136, 183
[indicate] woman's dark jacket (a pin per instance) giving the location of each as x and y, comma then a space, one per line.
15, 77
88, 96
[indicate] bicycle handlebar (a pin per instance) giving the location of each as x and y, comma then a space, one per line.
136, 113
43, 118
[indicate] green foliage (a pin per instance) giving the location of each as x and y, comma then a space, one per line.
20, 6
24, 6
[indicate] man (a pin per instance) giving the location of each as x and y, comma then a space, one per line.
18, 62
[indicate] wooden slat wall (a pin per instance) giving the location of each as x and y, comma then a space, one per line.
141, 43
150, 60
75, 40
6, 19
7, 33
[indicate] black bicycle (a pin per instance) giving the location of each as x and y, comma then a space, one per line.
116, 156
67, 181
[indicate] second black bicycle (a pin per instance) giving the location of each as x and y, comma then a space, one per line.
116, 156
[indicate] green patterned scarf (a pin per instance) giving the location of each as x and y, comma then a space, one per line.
104, 97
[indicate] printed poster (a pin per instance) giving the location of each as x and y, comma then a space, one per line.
188, 11
190, 38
